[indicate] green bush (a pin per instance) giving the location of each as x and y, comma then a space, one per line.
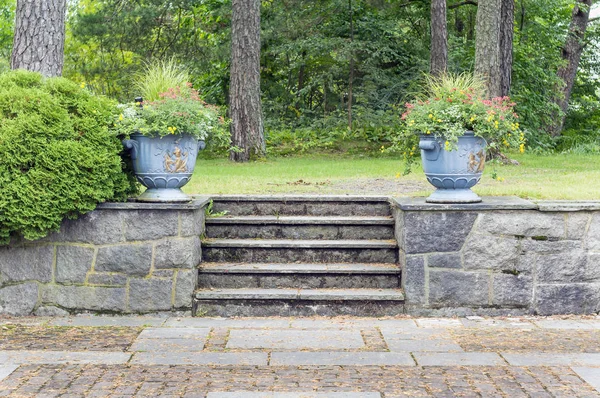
57, 156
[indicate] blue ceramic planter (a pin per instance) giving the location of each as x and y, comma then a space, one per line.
163, 165
453, 173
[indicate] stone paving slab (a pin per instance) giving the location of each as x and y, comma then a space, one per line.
60, 357
337, 323
480, 322
245, 323
250, 394
167, 345
201, 358
458, 359
438, 323
174, 333
282, 339
396, 345
414, 334
107, 321
551, 359
6, 370
590, 375
341, 358
26, 320
568, 324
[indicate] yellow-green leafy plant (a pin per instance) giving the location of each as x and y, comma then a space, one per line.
58, 157
450, 106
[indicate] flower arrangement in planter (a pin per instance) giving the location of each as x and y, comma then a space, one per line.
454, 125
165, 132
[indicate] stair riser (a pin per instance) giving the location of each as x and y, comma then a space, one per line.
273, 231
260, 308
310, 281
295, 208
279, 255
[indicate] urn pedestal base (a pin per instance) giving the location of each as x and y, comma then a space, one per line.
453, 172
453, 196
164, 195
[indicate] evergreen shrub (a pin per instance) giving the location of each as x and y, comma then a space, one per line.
57, 156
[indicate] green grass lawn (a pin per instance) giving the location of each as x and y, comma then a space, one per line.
538, 177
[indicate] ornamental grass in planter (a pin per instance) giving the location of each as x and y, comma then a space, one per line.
453, 124
165, 131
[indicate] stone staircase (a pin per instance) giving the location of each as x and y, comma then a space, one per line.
299, 256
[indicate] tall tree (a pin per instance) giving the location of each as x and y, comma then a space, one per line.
507, 18
571, 55
351, 74
39, 40
247, 131
439, 38
493, 45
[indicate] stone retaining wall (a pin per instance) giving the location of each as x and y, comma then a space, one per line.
503, 256
120, 258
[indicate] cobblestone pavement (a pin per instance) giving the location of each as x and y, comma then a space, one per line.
300, 357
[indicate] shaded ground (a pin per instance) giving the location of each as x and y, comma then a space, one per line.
540, 340
59, 338
197, 381
308, 357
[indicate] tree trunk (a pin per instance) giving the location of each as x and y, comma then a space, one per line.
507, 26
351, 74
571, 54
247, 131
487, 45
39, 40
439, 38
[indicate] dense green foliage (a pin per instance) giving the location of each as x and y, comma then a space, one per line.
177, 111
308, 48
58, 157
455, 103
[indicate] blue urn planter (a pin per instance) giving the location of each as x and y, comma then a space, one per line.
455, 172
163, 164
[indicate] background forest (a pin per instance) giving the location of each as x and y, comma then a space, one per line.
315, 53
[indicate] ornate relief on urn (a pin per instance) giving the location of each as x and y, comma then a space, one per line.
455, 172
163, 165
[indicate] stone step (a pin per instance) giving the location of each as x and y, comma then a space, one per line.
298, 268
300, 227
280, 205
298, 302
305, 251
301, 276
300, 244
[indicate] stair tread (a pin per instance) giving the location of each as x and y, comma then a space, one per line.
300, 220
304, 244
300, 198
299, 268
300, 294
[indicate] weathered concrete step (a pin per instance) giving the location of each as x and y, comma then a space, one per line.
279, 205
300, 227
291, 302
304, 251
300, 244
287, 308
294, 268
302, 220
301, 294
271, 278
302, 255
